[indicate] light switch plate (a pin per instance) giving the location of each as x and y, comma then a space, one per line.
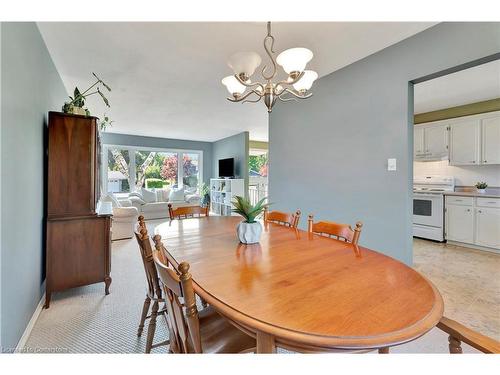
391, 164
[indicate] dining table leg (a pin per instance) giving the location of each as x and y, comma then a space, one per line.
265, 343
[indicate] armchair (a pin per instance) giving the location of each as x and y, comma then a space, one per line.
124, 219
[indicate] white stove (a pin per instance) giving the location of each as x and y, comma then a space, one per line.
428, 205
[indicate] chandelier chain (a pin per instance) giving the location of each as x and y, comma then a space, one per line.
269, 52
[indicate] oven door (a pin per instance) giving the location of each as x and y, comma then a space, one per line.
428, 209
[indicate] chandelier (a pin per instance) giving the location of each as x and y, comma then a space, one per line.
293, 61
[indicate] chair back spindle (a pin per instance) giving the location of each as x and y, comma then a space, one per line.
336, 230
187, 212
141, 235
282, 218
182, 318
154, 291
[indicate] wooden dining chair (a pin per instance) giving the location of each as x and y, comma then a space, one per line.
187, 212
193, 331
459, 333
154, 292
339, 231
282, 218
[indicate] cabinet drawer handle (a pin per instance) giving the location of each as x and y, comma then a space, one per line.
485, 161
468, 210
479, 211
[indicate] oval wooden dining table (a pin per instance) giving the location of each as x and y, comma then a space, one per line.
303, 291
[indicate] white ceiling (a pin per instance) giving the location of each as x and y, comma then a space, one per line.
166, 77
466, 86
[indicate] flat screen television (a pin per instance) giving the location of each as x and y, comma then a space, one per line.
226, 167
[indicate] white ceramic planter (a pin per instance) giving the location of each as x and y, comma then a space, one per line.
249, 233
481, 191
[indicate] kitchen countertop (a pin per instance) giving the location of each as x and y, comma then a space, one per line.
492, 192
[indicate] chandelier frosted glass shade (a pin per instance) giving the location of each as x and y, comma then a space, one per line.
244, 62
233, 86
270, 89
294, 59
306, 82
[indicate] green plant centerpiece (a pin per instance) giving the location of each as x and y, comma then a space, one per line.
249, 230
481, 187
77, 103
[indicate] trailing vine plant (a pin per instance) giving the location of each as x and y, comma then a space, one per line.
78, 101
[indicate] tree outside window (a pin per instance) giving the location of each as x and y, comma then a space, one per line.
169, 169
258, 165
190, 170
150, 169
118, 171
143, 161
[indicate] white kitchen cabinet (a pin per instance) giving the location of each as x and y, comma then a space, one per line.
488, 227
464, 142
490, 142
467, 140
436, 141
418, 143
473, 220
430, 142
459, 223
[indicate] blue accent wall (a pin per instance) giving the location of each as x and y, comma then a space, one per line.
30, 87
328, 154
237, 147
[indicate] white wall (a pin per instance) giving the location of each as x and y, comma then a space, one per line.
464, 175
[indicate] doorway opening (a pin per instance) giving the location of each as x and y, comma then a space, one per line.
456, 146
258, 171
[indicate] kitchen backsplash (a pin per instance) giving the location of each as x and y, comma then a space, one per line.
464, 175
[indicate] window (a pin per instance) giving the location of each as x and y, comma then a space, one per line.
131, 168
191, 170
258, 172
169, 167
156, 169
257, 163
118, 170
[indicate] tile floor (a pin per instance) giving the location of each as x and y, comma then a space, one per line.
468, 279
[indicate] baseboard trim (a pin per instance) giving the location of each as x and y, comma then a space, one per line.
472, 246
27, 332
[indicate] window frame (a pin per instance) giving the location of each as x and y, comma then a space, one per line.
132, 167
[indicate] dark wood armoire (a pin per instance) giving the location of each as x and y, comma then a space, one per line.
78, 227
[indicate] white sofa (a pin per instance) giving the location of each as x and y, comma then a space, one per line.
124, 217
153, 204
